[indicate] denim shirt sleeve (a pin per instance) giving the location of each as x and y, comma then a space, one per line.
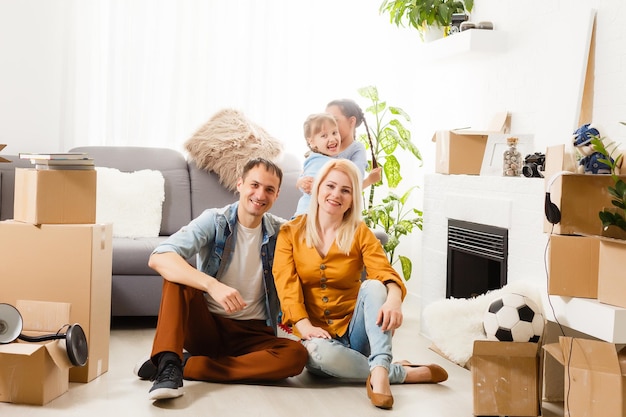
202, 238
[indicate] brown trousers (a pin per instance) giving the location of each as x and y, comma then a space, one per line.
222, 349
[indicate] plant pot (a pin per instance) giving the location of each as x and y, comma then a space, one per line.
432, 33
613, 231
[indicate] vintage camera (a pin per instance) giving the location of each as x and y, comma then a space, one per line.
457, 19
534, 165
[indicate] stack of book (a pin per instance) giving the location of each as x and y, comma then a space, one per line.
64, 160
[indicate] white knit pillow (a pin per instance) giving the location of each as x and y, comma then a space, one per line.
132, 201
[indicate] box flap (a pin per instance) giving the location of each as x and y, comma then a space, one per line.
621, 357
24, 349
595, 355
43, 316
554, 349
58, 352
500, 123
495, 348
2, 146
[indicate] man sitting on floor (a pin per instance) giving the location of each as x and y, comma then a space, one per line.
224, 313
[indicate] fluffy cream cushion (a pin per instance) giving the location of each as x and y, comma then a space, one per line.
132, 201
227, 141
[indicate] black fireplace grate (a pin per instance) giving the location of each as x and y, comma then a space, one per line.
477, 258
480, 243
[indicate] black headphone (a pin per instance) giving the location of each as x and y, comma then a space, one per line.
75, 340
553, 214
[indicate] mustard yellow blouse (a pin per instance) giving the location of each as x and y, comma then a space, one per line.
325, 289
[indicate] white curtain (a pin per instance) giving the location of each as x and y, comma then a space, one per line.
150, 72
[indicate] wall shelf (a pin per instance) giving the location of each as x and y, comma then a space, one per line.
469, 42
589, 316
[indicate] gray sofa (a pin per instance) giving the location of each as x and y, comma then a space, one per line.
136, 289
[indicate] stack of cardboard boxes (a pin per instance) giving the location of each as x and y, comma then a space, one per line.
586, 371
585, 267
54, 252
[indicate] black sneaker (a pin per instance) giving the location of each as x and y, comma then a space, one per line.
145, 369
168, 382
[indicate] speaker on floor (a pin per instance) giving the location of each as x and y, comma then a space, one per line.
11, 325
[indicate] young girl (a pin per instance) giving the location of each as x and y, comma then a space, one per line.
322, 136
349, 116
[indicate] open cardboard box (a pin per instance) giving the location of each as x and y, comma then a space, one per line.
506, 378
579, 197
36, 373
461, 151
69, 263
2, 146
594, 376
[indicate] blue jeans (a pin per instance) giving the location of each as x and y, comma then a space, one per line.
362, 348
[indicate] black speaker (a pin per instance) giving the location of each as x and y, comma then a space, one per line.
553, 214
75, 340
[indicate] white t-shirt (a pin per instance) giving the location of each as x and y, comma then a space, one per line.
245, 273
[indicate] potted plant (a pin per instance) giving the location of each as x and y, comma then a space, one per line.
612, 217
425, 14
387, 135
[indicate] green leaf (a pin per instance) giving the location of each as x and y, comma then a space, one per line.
407, 267
369, 92
392, 171
399, 112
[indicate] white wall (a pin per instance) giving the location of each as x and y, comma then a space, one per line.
533, 78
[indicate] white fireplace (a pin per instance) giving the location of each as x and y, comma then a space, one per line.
515, 204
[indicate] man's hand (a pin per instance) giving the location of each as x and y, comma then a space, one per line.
228, 297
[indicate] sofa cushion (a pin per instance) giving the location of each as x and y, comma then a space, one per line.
120, 194
226, 142
130, 255
171, 163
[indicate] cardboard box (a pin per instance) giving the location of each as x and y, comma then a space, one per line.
36, 373
611, 277
63, 263
461, 151
579, 198
594, 382
2, 146
55, 196
506, 378
573, 266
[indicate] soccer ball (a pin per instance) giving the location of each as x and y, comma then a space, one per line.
513, 318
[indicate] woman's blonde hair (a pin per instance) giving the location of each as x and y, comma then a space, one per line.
351, 218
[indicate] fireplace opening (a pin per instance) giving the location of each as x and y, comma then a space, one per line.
477, 258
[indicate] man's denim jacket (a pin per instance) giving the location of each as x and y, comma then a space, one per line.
211, 237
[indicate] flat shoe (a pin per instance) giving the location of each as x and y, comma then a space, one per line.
383, 401
437, 373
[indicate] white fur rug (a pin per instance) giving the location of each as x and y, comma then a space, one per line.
453, 324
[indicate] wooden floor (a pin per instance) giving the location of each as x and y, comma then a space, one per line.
119, 393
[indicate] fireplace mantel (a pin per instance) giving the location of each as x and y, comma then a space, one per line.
518, 205
515, 204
